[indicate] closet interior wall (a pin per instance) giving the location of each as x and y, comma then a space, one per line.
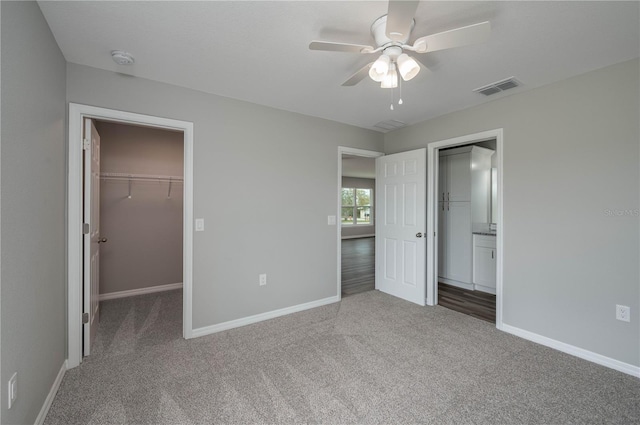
143, 231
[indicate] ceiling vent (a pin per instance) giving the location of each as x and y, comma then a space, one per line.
389, 125
498, 86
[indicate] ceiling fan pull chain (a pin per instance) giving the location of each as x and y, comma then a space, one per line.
400, 89
392, 91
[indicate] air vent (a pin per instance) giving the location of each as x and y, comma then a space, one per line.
498, 86
389, 125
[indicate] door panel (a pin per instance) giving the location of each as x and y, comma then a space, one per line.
459, 177
91, 201
390, 201
400, 252
458, 231
442, 236
390, 258
442, 239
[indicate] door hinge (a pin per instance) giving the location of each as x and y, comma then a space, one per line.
86, 144
85, 318
86, 228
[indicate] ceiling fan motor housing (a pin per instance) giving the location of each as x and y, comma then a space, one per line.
379, 32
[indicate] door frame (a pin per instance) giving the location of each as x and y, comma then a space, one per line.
77, 113
432, 214
357, 152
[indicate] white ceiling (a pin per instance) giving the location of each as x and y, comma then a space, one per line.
258, 50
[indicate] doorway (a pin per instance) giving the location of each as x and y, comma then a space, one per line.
356, 220
77, 116
463, 218
140, 230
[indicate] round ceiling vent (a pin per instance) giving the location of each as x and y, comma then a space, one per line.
122, 58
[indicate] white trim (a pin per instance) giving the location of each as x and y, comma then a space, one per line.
140, 291
77, 113
485, 289
372, 235
461, 285
623, 367
207, 330
52, 395
349, 151
432, 170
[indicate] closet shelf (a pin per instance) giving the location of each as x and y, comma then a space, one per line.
140, 177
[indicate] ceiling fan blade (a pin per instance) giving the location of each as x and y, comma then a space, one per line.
400, 19
358, 76
472, 34
330, 46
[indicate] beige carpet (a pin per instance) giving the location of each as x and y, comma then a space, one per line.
371, 358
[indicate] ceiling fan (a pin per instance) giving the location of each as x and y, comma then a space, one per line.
391, 33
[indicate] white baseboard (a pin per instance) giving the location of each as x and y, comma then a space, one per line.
457, 284
372, 235
52, 394
207, 330
141, 291
482, 288
627, 368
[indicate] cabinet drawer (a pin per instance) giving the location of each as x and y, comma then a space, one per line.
484, 241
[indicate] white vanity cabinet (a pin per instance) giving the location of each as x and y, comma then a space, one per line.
455, 177
463, 193
484, 263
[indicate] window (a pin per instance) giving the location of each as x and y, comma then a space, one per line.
356, 206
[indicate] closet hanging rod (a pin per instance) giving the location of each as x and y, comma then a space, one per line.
140, 177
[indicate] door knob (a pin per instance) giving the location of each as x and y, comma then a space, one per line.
418, 235
102, 240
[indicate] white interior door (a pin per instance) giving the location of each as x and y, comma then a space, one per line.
401, 224
91, 212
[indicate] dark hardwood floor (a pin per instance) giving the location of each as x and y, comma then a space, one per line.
358, 275
474, 303
358, 265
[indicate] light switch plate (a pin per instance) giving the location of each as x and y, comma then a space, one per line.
199, 224
331, 220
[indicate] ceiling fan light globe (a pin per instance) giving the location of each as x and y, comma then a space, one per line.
390, 81
381, 65
407, 66
375, 76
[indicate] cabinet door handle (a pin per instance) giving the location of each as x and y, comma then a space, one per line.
447, 196
492, 254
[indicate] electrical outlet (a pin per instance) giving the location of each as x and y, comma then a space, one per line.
262, 279
13, 389
623, 313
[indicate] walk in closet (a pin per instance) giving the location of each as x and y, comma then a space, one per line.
141, 207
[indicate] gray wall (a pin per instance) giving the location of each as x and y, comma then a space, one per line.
351, 231
144, 233
258, 219
571, 165
33, 209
